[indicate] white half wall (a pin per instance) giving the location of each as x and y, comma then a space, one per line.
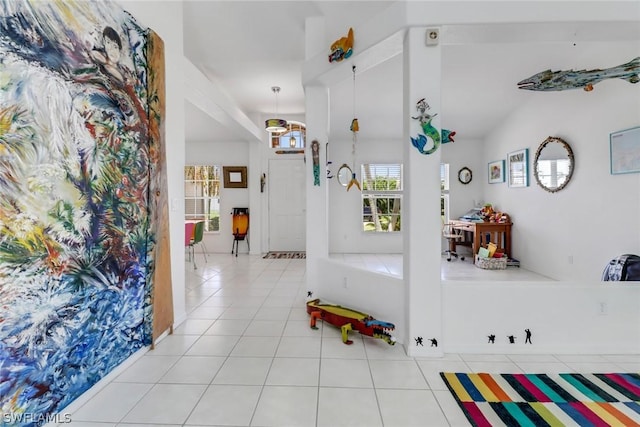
563, 317
378, 295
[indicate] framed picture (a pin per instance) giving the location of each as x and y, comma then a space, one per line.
496, 172
235, 176
625, 151
518, 167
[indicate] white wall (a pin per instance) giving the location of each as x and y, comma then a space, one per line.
564, 317
345, 207
234, 153
470, 153
572, 234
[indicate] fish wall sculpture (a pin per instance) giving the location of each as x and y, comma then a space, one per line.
342, 48
447, 135
562, 80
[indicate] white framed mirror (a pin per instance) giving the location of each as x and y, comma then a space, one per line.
553, 164
344, 175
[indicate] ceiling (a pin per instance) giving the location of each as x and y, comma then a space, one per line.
246, 47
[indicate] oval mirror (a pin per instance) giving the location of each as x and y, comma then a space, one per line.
344, 175
553, 164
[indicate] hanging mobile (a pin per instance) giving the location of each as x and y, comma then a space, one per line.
355, 127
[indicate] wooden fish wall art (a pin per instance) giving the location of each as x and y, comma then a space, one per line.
562, 80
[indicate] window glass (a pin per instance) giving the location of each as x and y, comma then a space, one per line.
444, 192
293, 137
202, 195
381, 197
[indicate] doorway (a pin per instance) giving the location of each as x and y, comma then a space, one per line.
287, 205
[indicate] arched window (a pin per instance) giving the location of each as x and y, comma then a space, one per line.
293, 137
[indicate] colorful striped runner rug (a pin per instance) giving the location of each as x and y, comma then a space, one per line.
536, 400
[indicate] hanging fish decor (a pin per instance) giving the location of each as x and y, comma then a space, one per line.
342, 48
429, 131
355, 127
562, 80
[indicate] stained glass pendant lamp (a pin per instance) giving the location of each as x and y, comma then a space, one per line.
275, 125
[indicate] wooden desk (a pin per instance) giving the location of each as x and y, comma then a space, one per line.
485, 232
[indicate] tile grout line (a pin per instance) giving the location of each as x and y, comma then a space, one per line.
255, 409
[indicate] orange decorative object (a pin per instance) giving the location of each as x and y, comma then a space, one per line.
240, 227
342, 48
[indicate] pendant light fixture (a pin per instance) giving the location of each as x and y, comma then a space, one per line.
292, 139
275, 125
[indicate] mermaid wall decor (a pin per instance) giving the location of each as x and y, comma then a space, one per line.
430, 132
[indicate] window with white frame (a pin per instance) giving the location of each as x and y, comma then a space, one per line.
444, 192
202, 195
381, 197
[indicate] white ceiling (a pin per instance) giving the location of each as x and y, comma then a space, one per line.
245, 47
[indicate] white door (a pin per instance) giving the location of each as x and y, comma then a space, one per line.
287, 205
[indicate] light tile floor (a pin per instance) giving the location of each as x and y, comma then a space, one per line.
247, 357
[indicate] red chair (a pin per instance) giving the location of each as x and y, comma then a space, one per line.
188, 236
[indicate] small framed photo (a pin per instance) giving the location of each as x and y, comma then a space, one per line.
235, 176
518, 167
625, 151
496, 172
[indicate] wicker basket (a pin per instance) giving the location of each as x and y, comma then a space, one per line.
491, 263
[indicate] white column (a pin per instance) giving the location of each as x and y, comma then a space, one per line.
255, 196
421, 221
317, 120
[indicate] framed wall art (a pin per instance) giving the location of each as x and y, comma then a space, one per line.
518, 168
496, 172
624, 149
235, 176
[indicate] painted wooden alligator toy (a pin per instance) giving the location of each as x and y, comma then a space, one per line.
347, 319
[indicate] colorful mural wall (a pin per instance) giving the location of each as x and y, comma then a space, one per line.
80, 183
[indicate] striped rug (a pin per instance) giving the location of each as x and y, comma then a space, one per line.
535, 400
